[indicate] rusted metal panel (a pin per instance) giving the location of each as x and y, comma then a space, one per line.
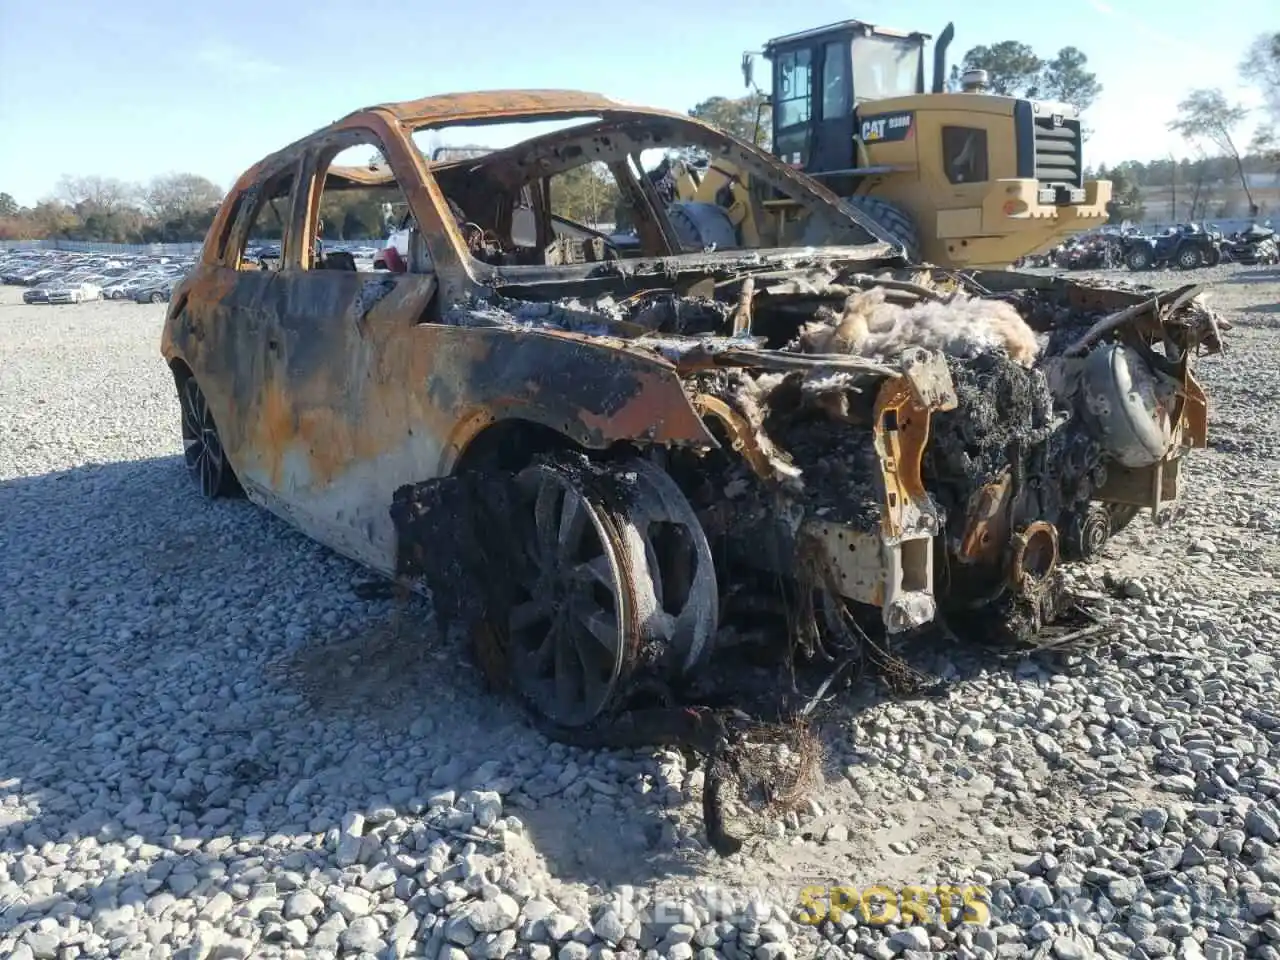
455, 108
332, 393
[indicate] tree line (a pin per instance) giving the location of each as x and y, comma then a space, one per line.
180, 207
1229, 141
171, 208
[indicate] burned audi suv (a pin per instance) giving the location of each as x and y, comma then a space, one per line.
594, 448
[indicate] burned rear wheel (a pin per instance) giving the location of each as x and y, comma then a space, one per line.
201, 445
608, 586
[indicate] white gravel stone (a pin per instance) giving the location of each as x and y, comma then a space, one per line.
304, 903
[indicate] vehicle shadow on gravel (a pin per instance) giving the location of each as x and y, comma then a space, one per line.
221, 686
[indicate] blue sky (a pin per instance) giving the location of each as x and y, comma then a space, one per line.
131, 89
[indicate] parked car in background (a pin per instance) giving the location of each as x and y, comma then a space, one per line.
37, 294
122, 289
154, 292
65, 276
74, 291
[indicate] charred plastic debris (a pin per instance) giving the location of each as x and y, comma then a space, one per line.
897, 451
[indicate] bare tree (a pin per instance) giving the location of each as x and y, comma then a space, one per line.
1206, 116
170, 196
1200, 198
1261, 67
106, 194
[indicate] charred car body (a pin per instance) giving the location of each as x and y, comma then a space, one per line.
592, 454
1254, 245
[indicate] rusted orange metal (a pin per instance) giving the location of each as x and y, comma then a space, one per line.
903, 411
987, 531
743, 437
1034, 554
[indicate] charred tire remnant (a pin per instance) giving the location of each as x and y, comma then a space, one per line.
580, 581
765, 766
614, 588
201, 446
572, 626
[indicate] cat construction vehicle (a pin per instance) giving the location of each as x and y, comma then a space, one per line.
961, 179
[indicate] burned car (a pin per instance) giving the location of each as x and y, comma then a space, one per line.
592, 456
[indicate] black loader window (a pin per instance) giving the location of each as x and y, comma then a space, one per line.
964, 154
835, 81
795, 86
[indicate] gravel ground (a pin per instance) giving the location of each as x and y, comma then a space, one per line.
210, 747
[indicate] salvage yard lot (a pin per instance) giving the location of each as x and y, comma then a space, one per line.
200, 717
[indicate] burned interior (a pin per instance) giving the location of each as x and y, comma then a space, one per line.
653, 461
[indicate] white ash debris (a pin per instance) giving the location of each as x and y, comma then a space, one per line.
960, 326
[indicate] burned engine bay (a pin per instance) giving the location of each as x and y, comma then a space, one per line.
896, 449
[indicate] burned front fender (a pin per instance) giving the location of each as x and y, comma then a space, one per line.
596, 391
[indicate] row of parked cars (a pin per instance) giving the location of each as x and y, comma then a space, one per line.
62, 276
1186, 246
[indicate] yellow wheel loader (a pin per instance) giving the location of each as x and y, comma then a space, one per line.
960, 179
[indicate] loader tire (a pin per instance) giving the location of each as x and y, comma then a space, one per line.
892, 219
700, 225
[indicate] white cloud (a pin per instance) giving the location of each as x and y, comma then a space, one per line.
232, 59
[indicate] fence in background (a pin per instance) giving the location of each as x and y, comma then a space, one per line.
86, 246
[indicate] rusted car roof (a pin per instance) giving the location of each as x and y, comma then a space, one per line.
461, 108
496, 104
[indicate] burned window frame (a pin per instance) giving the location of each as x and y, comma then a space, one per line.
252, 201
544, 157
461, 273
317, 160
955, 140
223, 243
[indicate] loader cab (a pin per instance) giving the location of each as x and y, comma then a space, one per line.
821, 76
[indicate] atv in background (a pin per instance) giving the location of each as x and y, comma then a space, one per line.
1255, 245
1187, 247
